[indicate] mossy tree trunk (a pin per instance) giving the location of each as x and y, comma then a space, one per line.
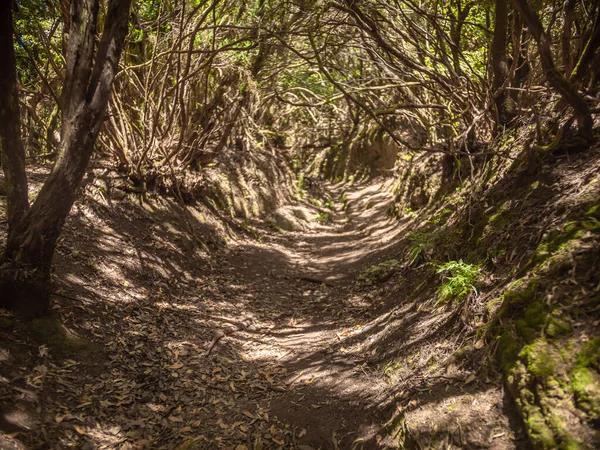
33, 232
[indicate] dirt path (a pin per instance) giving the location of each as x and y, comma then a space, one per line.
297, 288
269, 348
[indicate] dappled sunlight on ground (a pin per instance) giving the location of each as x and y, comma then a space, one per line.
270, 341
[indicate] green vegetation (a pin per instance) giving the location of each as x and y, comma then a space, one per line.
300, 188
323, 217
460, 279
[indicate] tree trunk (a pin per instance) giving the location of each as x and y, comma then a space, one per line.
499, 63
590, 49
567, 57
554, 77
25, 272
11, 145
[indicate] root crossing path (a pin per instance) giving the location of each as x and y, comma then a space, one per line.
269, 346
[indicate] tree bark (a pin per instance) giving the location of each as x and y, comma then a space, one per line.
25, 276
567, 59
11, 145
554, 77
590, 49
499, 63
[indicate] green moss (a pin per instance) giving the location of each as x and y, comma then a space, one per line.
556, 240
441, 216
519, 296
534, 314
541, 358
499, 219
539, 432
5, 323
566, 441
586, 387
557, 327
591, 223
593, 212
589, 355
535, 318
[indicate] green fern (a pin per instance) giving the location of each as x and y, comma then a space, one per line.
460, 279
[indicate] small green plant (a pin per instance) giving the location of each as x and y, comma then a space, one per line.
421, 243
440, 216
408, 211
315, 201
323, 217
460, 279
301, 191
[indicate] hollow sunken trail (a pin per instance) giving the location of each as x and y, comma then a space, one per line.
274, 345
295, 288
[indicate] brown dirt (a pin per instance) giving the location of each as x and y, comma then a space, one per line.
140, 302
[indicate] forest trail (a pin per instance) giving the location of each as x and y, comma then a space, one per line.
270, 344
296, 289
